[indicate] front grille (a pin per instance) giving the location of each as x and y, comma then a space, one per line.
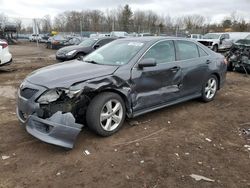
206, 43
27, 93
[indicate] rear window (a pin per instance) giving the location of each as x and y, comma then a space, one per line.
187, 50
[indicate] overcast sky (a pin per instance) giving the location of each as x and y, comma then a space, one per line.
215, 9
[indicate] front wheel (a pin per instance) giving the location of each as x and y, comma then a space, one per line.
210, 88
106, 113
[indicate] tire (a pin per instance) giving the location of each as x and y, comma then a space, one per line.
212, 89
215, 48
106, 103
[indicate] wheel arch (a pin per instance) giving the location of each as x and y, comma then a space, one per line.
124, 98
218, 78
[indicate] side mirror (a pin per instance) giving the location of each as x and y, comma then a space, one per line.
96, 46
148, 62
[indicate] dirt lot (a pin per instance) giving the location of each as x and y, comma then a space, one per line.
192, 138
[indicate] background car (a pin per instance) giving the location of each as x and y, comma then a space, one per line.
35, 37
217, 41
59, 41
5, 55
85, 47
195, 36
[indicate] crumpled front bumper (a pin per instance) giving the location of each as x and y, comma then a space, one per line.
60, 129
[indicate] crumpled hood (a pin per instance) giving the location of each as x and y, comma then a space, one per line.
67, 73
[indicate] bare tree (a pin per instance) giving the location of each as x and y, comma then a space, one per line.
46, 24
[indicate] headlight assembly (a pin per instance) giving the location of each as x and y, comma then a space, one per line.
49, 96
71, 53
54, 94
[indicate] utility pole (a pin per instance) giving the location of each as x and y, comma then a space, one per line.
81, 26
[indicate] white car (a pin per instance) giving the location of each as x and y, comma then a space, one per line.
35, 37
5, 55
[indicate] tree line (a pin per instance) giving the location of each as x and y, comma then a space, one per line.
139, 21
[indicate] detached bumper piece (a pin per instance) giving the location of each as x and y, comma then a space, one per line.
60, 129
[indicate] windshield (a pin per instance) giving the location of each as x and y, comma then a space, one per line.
243, 41
87, 42
211, 36
119, 52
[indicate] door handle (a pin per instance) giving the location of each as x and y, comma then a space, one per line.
175, 69
208, 61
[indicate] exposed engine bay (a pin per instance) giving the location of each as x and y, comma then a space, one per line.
239, 56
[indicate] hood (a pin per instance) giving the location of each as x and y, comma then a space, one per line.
67, 73
242, 42
208, 40
68, 49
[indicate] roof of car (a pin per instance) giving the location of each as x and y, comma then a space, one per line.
152, 38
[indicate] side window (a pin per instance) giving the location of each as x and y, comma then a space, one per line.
104, 41
187, 50
202, 52
162, 52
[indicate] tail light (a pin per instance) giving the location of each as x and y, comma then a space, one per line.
4, 45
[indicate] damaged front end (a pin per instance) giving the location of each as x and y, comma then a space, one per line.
239, 56
54, 116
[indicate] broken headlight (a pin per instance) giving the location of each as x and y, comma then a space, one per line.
49, 96
54, 94
71, 53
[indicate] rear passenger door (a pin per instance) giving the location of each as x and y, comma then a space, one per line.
194, 63
159, 84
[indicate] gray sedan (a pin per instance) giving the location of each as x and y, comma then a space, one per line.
125, 78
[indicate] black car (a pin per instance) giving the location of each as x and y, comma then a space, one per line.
127, 77
85, 47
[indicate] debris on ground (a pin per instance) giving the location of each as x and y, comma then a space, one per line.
199, 177
246, 132
207, 139
177, 154
247, 146
134, 122
4, 157
58, 173
142, 161
86, 152
141, 139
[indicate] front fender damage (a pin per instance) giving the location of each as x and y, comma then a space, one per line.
60, 129
59, 122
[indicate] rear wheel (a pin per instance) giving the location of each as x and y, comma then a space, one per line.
210, 88
106, 113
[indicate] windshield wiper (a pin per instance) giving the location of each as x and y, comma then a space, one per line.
91, 61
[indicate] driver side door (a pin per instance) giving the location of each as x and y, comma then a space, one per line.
156, 85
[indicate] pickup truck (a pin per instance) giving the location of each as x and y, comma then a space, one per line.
217, 41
